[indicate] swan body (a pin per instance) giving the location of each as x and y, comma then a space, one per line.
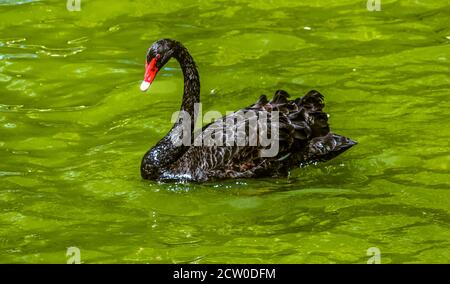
304, 136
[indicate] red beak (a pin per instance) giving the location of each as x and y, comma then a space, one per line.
150, 73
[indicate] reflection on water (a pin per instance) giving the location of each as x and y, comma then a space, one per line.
74, 126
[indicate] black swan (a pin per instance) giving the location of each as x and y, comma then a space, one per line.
303, 136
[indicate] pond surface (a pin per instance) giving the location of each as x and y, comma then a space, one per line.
74, 127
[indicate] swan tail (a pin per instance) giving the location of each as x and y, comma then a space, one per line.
306, 134
324, 148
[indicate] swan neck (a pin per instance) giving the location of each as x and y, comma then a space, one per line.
165, 152
191, 93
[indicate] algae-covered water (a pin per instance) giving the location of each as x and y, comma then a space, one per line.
74, 127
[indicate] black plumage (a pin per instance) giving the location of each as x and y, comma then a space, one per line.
304, 134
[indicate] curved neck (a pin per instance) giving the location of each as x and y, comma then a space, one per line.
191, 94
165, 152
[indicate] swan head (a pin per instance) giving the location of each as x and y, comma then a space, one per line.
158, 55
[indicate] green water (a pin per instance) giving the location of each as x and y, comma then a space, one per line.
74, 126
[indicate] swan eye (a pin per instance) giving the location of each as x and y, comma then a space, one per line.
158, 56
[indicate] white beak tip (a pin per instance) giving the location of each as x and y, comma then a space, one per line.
145, 86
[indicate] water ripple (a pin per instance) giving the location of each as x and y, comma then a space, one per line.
16, 2
19, 43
